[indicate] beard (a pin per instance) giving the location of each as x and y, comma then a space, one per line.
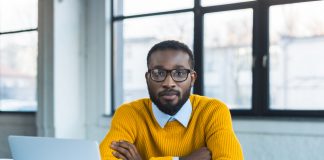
168, 107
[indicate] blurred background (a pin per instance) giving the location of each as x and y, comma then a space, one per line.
66, 65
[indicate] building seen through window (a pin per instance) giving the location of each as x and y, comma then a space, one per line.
296, 55
18, 55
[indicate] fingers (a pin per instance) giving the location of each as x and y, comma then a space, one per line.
205, 153
125, 150
121, 151
204, 149
130, 147
119, 155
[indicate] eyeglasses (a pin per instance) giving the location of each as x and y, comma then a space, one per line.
178, 75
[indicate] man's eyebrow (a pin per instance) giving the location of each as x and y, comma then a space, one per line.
176, 67
179, 66
158, 67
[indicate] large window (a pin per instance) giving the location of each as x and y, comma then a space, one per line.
18, 55
296, 56
261, 57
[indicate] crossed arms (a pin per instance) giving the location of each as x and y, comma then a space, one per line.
127, 151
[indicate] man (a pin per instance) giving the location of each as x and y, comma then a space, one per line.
172, 124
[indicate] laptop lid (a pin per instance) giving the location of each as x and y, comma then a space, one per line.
44, 148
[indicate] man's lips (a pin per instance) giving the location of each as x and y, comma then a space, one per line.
169, 95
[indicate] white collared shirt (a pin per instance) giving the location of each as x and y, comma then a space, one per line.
182, 116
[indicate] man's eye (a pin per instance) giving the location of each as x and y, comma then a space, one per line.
160, 73
180, 73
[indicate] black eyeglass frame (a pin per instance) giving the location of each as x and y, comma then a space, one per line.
189, 71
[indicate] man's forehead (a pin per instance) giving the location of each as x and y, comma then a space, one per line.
175, 57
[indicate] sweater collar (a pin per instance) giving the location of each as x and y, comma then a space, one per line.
182, 116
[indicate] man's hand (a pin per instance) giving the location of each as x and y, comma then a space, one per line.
125, 151
200, 154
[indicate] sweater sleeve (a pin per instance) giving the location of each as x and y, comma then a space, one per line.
220, 136
123, 127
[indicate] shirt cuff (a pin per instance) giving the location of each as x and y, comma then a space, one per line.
175, 158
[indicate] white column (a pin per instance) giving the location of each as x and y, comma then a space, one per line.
61, 108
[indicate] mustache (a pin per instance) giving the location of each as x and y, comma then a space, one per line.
169, 92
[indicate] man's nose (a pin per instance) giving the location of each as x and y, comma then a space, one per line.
168, 82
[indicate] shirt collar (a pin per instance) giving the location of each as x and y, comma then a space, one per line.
182, 116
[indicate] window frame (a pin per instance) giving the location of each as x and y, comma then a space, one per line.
260, 54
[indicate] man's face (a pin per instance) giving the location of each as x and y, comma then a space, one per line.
168, 95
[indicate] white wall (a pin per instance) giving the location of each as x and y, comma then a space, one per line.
68, 55
61, 105
97, 71
281, 139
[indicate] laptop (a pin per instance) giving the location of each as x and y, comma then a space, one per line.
44, 148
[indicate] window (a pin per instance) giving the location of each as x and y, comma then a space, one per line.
296, 55
228, 57
18, 55
262, 58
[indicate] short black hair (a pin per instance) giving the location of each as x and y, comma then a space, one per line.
172, 45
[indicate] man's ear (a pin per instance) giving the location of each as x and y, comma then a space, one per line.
193, 76
147, 76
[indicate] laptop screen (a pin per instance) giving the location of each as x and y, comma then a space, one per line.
44, 148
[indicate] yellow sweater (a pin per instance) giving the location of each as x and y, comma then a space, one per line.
210, 125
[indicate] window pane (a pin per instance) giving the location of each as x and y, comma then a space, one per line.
296, 56
18, 56
220, 2
18, 15
228, 57
134, 39
131, 7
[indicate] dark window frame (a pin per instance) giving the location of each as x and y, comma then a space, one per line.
260, 54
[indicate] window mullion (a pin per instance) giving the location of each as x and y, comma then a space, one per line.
260, 93
198, 47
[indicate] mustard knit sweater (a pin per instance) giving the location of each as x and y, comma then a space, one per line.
210, 125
